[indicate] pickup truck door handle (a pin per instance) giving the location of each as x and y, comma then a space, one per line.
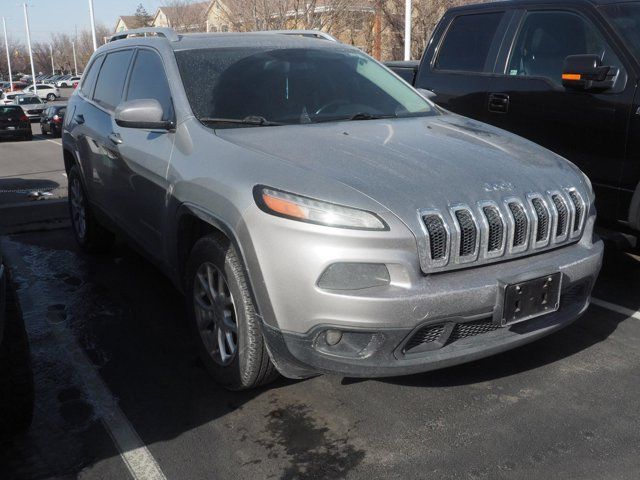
79, 119
115, 138
498, 102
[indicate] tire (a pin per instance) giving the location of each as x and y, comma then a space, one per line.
16, 374
51, 97
90, 235
28, 137
249, 366
56, 132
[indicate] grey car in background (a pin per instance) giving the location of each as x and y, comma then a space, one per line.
318, 213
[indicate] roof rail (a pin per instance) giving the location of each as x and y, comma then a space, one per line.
304, 33
168, 33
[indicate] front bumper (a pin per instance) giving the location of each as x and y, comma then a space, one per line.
377, 323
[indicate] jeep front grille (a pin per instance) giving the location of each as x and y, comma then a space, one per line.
437, 236
521, 224
496, 229
468, 233
489, 231
563, 215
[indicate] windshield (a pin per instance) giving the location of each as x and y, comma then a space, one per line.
625, 18
262, 86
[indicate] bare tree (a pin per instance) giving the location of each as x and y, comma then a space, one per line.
186, 15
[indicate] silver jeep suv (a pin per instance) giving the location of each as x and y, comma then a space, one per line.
319, 214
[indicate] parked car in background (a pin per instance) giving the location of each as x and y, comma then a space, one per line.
14, 123
7, 98
45, 91
345, 223
563, 75
68, 82
32, 105
52, 118
17, 86
16, 375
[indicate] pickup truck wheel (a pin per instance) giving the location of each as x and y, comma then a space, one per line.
223, 317
16, 375
90, 235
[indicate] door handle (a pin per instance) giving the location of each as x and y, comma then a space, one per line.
79, 119
498, 102
115, 138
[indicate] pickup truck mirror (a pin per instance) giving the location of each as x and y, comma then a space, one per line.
144, 113
428, 94
586, 72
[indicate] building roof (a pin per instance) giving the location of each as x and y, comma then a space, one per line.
525, 3
190, 11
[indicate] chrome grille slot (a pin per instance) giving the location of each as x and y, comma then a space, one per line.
563, 215
438, 237
461, 235
579, 210
496, 229
468, 233
542, 215
520, 224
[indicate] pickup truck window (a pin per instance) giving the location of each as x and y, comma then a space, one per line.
547, 38
625, 18
467, 43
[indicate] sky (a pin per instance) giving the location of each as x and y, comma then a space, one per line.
49, 16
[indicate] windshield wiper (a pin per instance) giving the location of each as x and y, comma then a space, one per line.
255, 120
369, 116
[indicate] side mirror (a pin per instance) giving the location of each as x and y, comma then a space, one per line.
428, 94
143, 113
586, 72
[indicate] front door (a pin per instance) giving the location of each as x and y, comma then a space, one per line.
586, 127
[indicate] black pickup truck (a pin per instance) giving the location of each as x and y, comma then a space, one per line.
563, 74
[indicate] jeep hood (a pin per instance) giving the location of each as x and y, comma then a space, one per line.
415, 163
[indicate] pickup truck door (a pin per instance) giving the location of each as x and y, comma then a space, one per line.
460, 60
527, 97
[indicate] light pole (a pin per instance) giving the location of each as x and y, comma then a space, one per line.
33, 70
93, 26
53, 68
75, 63
407, 30
6, 44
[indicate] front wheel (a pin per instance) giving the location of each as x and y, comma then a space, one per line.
223, 317
89, 234
51, 97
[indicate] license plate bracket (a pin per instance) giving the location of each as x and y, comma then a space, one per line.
531, 298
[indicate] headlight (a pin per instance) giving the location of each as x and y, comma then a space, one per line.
305, 209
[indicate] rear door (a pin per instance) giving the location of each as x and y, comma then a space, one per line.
100, 156
589, 128
461, 57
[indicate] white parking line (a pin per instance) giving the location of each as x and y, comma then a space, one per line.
53, 141
616, 308
133, 451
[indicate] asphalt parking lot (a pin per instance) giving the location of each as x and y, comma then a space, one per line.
120, 392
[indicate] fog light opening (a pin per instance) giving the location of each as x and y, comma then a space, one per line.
333, 337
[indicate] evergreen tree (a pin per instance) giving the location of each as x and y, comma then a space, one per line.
144, 19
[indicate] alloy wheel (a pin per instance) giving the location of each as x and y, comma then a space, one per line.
215, 314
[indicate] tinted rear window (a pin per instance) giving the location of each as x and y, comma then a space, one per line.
90, 79
467, 42
111, 79
6, 112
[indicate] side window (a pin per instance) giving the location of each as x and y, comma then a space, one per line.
467, 42
90, 77
148, 80
547, 38
111, 78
